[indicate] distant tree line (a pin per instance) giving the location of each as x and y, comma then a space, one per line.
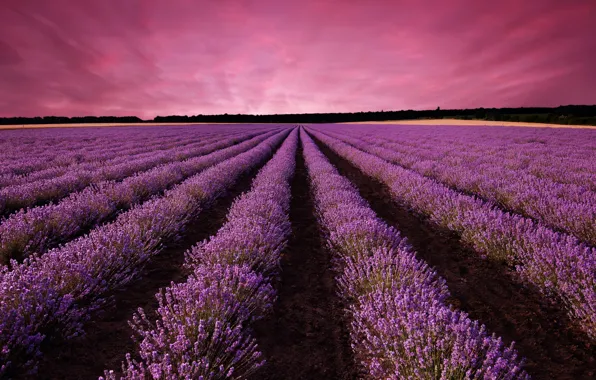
571, 114
69, 120
585, 115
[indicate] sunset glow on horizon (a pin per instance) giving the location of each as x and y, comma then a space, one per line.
150, 57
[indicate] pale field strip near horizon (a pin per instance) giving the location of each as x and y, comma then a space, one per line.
457, 122
437, 122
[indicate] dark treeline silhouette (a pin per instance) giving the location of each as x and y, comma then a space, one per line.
585, 115
571, 114
69, 120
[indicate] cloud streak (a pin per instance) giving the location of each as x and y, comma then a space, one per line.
149, 57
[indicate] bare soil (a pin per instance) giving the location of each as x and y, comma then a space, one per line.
489, 292
306, 336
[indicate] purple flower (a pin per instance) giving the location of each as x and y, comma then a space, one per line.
72, 282
558, 264
202, 327
401, 327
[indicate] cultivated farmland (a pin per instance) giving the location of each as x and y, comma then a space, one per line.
298, 252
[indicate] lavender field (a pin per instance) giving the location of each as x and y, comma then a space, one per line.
324, 251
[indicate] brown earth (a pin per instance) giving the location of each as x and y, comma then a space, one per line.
306, 336
109, 337
489, 292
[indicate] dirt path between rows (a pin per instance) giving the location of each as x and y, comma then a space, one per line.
306, 337
109, 336
486, 290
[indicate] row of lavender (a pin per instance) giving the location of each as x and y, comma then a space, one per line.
13, 198
54, 295
506, 176
38, 229
38, 141
40, 154
570, 207
44, 149
16, 144
21, 194
202, 330
562, 155
401, 326
558, 264
93, 156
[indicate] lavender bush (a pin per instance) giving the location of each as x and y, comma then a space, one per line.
202, 330
29, 194
506, 176
29, 155
75, 278
560, 266
199, 329
40, 228
401, 327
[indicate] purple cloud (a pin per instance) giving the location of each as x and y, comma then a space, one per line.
149, 57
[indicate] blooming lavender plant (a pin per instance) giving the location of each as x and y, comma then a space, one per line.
26, 158
116, 159
199, 331
76, 179
401, 327
28, 155
406, 334
78, 275
40, 228
559, 265
500, 176
202, 327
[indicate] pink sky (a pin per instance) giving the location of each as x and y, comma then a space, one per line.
154, 57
